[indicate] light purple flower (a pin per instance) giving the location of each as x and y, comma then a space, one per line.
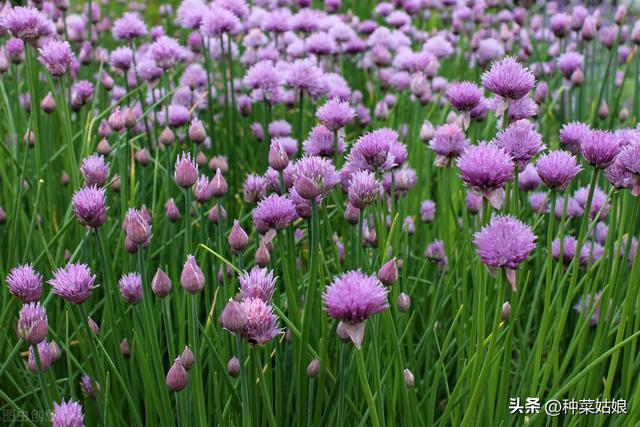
131, 288
94, 171
508, 79
25, 283
506, 243
275, 212
373, 152
464, 96
521, 141
448, 142
363, 189
165, 51
67, 414
314, 176
89, 206
26, 23
321, 142
572, 135
73, 283
557, 169
629, 161
485, 169
335, 114
257, 283
262, 324
600, 148
32, 323
129, 27
57, 57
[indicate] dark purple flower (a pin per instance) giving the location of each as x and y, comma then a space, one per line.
505, 243
73, 283
25, 283
89, 206
557, 169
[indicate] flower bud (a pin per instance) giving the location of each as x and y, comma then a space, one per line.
351, 214
124, 348
278, 158
192, 278
48, 104
233, 317
197, 133
306, 188
143, 157
103, 147
172, 211
167, 137
388, 273
238, 238
137, 228
313, 368
506, 311
161, 284
218, 184
233, 366
187, 358
116, 120
129, 118
409, 380
263, 256
177, 377
403, 303
94, 326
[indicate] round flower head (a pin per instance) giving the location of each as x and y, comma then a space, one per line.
363, 189
464, 96
137, 226
121, 58
505, 243
486, 168
129, 27
569, 62
335, 114
57, 57
192, 278
275, 212
73, 283
165, 51
279, 129
314, 176
67, 414
26, 23
25, 283
557, 169
373, 152
539, 202
528, 179
629, 161
262, 323
306, 77
427, 211
321, 142
257, 283
264, 77
448, 142
569, 249
254, 188
572, 135
186, 171
600, 148
89, 206
131, 288
521, 141
32, 323
94, 171
352, 298
508, 79
599, 205
203, 190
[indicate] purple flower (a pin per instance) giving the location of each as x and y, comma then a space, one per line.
569, 62
427, 211
217, 21
67, 414
262, 324
186, 171
57, 57
572, 135
129, 27
203, 190
335, 114
528, 179
589, 304
192, 278
508, 79
464, 96
254, 188
32, 323
599, 202
600, 148
179, 115
89, 206
275, 212
190, 13
94, 171
435, 253
314, 176
505, 243
629, 161
363, 189
569, 249
618, 177
539, 202
521, 141
86, 385
137, 227
352, 298
321, 142
131, 288
26, 23
486, 168
121, 58
557, 169
73, 283
264, 76
257, 283
165, 51
372, 151
279, 129
25, 283
305, 76
448, 142
15, 50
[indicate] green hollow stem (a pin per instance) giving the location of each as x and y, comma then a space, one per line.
246, 412
362, 374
